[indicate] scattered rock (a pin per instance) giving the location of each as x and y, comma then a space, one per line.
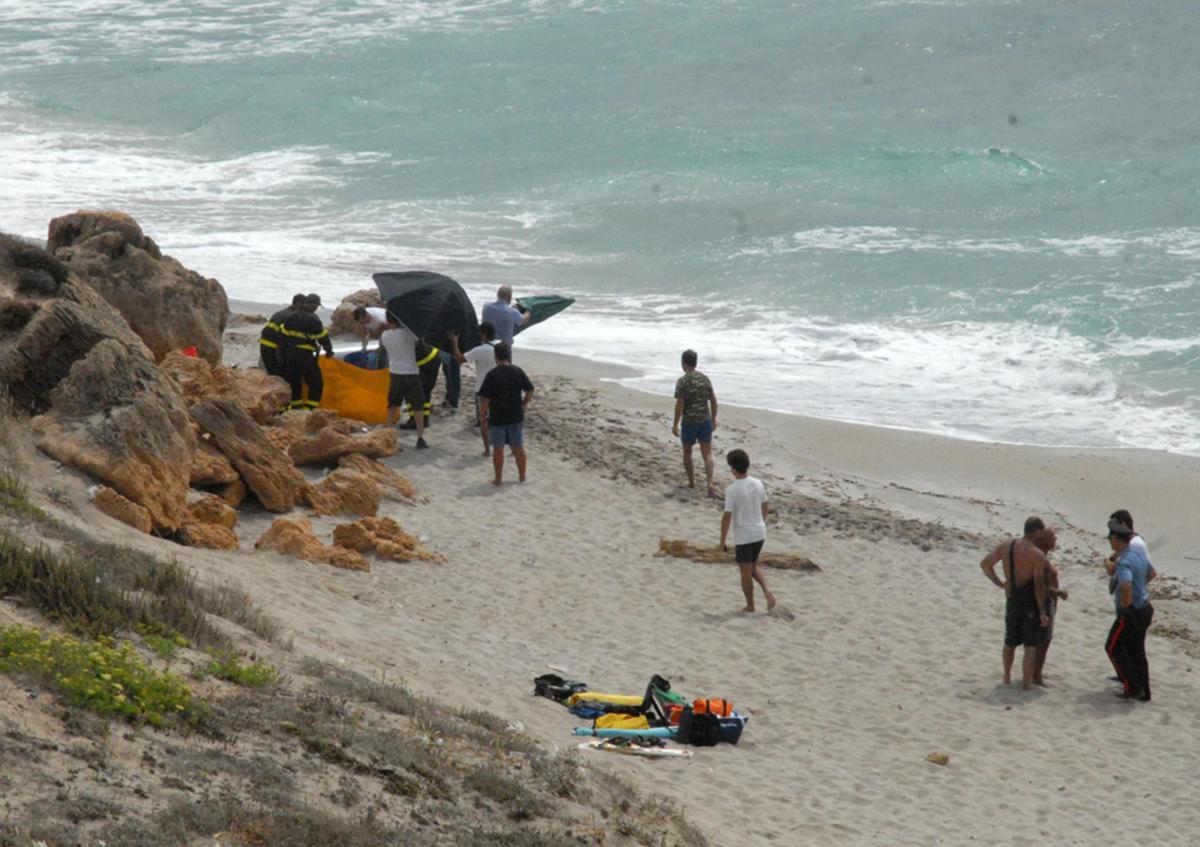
234, 494
938, 758
345, 492
391, 483
684, 550
294, 537
266, 470
167, 305
122, 508
207, 535
383, 537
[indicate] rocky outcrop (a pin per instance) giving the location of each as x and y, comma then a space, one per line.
385, 538
294, 537
342, 319
326, 446
255, 392
122, 508
233, 494
267, 471
392, 484
344, 492
116, 417
167, 305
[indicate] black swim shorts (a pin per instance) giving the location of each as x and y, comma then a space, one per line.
747, 554
402, 387
1023, 628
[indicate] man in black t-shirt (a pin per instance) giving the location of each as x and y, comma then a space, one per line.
503, 396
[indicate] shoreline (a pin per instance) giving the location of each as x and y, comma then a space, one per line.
1073, 487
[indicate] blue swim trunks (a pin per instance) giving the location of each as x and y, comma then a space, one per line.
690, 433
512, 434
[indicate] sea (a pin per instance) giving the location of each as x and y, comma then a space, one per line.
977, 218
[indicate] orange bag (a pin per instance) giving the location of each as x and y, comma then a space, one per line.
713, 706
354, 392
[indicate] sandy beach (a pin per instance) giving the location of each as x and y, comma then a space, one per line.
893, 652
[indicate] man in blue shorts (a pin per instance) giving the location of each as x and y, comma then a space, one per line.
503, 396
693, 398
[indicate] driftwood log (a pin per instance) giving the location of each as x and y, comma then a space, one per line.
684, 550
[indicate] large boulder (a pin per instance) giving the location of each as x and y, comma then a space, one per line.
342, 319
167, 305
295, 537
259, 394
208, 536
266, 470
116, 417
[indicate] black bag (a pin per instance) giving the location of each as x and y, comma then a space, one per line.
555, 687
707, 730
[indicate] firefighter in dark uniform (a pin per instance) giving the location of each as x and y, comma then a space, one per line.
302, 332
430, 365
270, 340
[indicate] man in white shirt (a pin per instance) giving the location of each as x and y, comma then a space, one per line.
404, 379
371, 322
503, 316
483, 358
746, 513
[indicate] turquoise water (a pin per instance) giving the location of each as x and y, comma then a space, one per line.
969, 217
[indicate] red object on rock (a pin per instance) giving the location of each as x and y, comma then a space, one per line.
189, 351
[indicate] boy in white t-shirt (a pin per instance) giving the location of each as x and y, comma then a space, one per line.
746, 512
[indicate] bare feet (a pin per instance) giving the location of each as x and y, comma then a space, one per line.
1041, 682
712, 492
1008, 680
497, 483
771, 601
746, 609
487, 452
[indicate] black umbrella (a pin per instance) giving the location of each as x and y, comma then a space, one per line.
431, 305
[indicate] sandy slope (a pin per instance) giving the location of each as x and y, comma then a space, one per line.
893, 652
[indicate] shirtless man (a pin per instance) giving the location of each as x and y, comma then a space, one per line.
1046, 543
1024, 585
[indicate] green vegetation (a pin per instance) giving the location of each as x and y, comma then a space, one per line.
103, 676
229, 666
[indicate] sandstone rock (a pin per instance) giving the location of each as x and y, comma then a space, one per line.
342, 319
210, 467
325, 446
207, 535
53, 322
294, 536
117, 418
281, 438
234, 493
299, 423
122, 508
167, 305
391, 483
384, 537
344, 492
266, 470
257, 393
211, 509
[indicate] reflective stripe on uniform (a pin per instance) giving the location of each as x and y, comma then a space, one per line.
428, 358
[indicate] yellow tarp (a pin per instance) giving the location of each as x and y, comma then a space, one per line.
616, 721
354, 392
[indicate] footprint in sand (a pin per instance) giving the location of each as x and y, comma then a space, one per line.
782, 612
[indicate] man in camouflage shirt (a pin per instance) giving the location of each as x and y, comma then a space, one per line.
693, 398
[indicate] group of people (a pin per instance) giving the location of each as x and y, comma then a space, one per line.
1031, 589
289, 345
